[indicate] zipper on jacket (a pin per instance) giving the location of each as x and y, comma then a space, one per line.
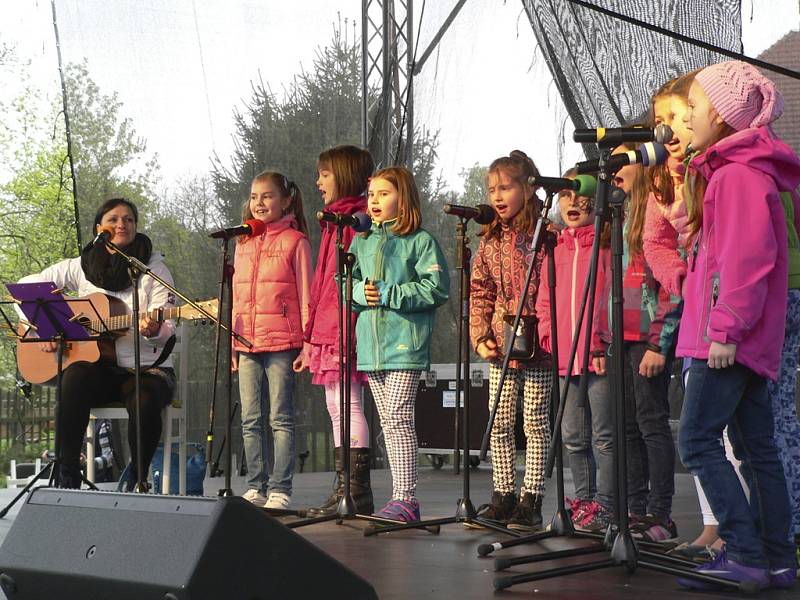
648, 301
572, 299
285, 312
712, 301
378, 275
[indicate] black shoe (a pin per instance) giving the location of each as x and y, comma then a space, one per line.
330, 505
360, 485
499, 509
528, 513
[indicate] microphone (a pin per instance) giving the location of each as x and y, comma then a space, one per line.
582, 185
359, 221
617, 135
483, 214
250, 228
648, 155
104, 234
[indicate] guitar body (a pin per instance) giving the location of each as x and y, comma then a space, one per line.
39, 367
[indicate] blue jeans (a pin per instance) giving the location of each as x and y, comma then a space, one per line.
587, 431
650, 449
276, 368
757, 533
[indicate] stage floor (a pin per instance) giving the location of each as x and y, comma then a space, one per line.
418, 564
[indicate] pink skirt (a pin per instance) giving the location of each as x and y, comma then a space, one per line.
324, 366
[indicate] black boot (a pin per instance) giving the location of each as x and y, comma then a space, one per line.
329, 506
360, 488
499, 509
528, 514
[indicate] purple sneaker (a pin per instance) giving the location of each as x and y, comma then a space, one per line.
400, 510
726, 569
782, 578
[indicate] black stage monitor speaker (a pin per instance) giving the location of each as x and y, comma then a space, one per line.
69, 544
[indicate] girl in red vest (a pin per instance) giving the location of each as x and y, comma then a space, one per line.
271, 296
344, 173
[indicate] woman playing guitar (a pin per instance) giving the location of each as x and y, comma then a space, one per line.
89, 384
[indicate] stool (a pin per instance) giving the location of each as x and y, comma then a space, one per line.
176, 410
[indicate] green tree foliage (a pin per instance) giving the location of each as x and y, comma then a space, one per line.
110, 159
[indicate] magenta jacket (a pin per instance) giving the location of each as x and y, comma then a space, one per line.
735, 288
572, 257
323, 322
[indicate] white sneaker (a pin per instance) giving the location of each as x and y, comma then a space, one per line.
279, 500
255, 497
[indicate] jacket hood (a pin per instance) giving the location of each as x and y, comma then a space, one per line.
758, 149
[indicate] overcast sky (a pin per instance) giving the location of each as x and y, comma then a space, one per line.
181, 66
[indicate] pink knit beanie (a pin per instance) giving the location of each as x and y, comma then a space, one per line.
741, 95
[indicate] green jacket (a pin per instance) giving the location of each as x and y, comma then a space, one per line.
411, 274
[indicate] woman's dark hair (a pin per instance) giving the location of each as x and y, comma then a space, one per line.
113, 203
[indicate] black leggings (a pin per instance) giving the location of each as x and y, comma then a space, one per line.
88, 385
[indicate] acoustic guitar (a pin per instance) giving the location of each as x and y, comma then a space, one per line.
114, 320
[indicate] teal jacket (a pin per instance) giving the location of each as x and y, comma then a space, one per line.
411, 274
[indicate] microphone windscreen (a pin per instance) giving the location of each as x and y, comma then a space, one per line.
364, 222
588, 185
257, 227
653, 153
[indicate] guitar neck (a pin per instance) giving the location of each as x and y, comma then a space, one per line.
124, 322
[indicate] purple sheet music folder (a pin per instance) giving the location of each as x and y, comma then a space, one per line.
31, 294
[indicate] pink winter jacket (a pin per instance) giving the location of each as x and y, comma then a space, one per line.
572, 258
735, 289
323, 321
665, 232
271, 288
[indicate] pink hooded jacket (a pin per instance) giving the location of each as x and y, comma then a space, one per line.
323, 321
573, 258
271, 288
735, 288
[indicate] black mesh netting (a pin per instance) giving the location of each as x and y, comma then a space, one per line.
606, 68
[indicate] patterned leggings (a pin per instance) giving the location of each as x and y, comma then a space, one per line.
784, 408
536, 410
395, 393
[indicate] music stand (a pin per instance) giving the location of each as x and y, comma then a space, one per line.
49, 314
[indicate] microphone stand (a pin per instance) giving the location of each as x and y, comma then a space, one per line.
346, 510
618, 542
137, 268
465, 511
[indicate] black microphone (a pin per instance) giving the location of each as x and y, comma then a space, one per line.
582, 185
359, 221
483, 214
617, 135
250, 228
649, 155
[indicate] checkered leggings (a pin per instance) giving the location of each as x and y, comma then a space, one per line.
395, 393
535, 411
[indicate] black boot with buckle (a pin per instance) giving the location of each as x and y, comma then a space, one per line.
328, 507
499, 509
360, 485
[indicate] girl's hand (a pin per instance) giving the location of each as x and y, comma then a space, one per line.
599, 365
48, 346
299, 363
372, 294
652, 364
147, 327
234, 362
487, 349
721, 356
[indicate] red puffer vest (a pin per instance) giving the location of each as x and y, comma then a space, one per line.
266, 307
